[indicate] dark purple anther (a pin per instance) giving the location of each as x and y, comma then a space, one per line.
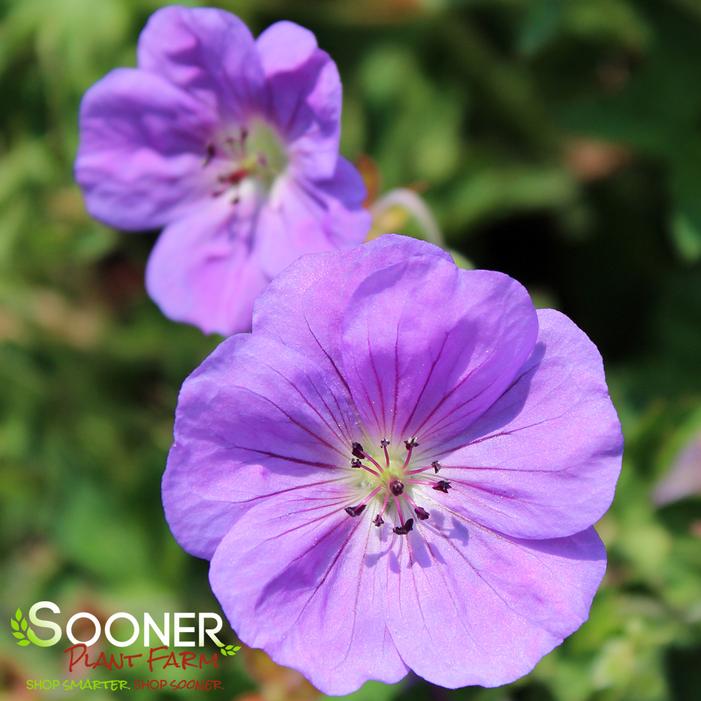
357, 450
442, 486
403, 530
211, 152
396, 487
355, 510
411, 443
421, 513
355, 462
378, 520
436, 466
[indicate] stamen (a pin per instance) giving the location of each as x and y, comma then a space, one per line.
375, 463
442, 486
418, 470
378, 520
357, 465
435, 465
411, 443
359, 508
418, 510
209, 155
384, 443
405, 527
357, 450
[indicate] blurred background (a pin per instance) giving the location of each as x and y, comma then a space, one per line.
556, 140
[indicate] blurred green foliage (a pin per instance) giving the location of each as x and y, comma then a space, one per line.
556, 140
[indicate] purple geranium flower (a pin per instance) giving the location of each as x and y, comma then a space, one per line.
398, 469
231, 144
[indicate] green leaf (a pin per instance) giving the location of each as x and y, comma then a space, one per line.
14, 624
24, 625
541, 24
23, 643
18, 614
686, 232
19, 635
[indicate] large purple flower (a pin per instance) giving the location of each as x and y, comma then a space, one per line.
398, 469
231, 144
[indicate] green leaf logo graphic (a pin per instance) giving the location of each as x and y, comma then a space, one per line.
229, 650
24, 634
19, 627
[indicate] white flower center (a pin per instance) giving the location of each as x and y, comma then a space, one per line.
253, 154
385, 481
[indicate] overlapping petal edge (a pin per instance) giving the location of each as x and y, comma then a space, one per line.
189, 141
392, 341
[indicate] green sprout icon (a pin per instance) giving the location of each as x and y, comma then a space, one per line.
229, 650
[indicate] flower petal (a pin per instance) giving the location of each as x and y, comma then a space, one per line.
142, 146
207, 52
254, 420
427, 348
197, 522
201, 270
470, 606
305, 218
544, 460
304, 305
303, 96
285, 46
317, 600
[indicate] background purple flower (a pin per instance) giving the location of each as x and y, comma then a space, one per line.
231, 144
398, 469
